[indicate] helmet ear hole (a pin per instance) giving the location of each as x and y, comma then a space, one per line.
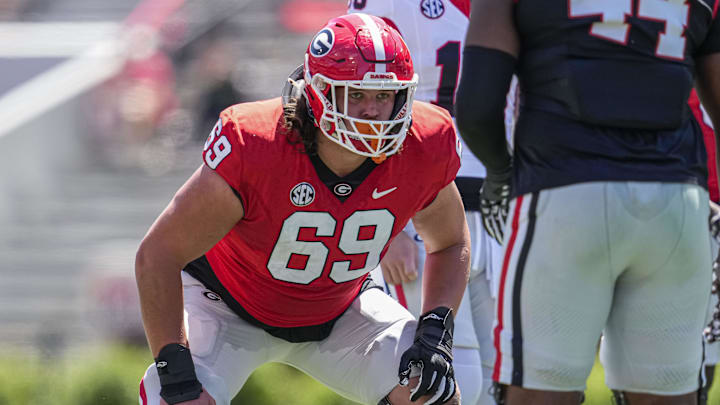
294, 87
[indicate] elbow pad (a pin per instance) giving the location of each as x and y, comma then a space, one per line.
480, 104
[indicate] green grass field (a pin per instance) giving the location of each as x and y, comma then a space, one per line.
111, 377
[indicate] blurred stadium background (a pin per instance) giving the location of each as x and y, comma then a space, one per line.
103, 108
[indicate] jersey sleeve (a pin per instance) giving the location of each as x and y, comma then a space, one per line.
712, 40
453, 148
223, 151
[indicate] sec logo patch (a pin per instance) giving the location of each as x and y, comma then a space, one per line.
302, 195
432, 9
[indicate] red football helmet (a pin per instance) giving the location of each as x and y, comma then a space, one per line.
359, 51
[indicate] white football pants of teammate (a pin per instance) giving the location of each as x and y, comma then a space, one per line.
473, 353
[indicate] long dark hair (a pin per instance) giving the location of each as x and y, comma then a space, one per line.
300, 125
298, 119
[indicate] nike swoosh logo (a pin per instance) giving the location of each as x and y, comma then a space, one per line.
379, 194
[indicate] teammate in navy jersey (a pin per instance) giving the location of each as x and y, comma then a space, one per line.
607, 226
296, 202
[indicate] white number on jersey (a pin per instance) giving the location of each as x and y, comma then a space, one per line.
220, 148
613, 13
316, 252
448, 58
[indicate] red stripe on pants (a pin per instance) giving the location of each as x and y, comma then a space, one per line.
501, 293
401, 294
143, 395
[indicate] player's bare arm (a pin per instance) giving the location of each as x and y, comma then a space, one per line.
205, 204
491, 26
443, 228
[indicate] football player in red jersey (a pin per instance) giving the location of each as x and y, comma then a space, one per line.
608, 203
297, 201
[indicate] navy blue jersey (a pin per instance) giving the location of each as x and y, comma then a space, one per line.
605, 86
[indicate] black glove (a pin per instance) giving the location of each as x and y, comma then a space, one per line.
431, 353
715, 221
176, 370
494, 196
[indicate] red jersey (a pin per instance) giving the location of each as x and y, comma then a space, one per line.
300, 254
709, 137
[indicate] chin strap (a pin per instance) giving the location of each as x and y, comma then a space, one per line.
379, 159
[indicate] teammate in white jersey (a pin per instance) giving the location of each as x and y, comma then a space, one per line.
434, 31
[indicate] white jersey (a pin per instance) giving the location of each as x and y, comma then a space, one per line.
434, 31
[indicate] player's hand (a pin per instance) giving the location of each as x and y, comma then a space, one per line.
400, 263
494, 200
431, 353
715, 221
203, 399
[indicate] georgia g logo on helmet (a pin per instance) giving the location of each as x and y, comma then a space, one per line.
322, 43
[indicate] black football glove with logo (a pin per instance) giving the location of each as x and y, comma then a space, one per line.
494, 200
431, 354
